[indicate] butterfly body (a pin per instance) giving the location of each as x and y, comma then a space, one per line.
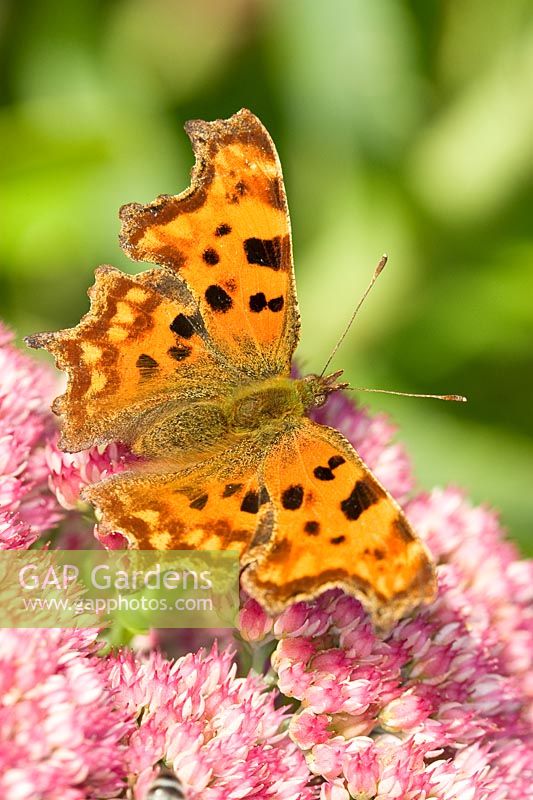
199, 429
190, 365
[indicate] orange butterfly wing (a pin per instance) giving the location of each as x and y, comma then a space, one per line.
140, 347
335, 525
228, 236
214, 505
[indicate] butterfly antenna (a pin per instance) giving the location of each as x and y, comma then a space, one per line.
458, 398
379, 269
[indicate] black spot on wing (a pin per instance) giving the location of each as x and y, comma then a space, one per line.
182, 326
338, 539
250, 503
253, 500
292, 497
258, 302
218, 299
146, 365
323, 473
231, 488
223, 229
326, 473
210, 256
199, 502
362, 496
312, 527
276, 304
265, 252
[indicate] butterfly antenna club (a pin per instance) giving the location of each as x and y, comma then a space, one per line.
377, 272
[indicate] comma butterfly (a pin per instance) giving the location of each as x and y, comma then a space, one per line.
189, 364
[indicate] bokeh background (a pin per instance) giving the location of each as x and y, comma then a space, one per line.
404, 126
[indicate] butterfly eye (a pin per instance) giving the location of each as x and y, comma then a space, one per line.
320, 399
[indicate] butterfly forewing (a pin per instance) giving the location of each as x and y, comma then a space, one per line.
229, 237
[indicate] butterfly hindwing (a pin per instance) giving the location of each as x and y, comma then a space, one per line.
228, 236
335, 525
211, 506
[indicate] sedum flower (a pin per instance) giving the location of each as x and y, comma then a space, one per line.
222, 735
253, 623
430, 709
61, 736
70, 473
497, 586
27, 507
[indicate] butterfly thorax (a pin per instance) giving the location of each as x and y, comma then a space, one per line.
264, 403
275, 399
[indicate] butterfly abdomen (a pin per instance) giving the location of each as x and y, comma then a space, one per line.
194, 429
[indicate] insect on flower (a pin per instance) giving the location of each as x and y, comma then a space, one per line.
167, 786
189, 365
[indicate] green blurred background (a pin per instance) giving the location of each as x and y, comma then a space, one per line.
404, 126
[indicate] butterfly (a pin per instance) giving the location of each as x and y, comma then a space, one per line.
189, 364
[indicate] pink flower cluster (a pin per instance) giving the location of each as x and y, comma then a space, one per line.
222, 735
493, 584
70, 473
27, 507
61, 735
408, 704
74, 725
438, 708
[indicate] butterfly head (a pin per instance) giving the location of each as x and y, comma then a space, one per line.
315, 389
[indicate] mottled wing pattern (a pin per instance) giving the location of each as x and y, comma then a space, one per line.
228, 236
141, 346
216, 505
335, 526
